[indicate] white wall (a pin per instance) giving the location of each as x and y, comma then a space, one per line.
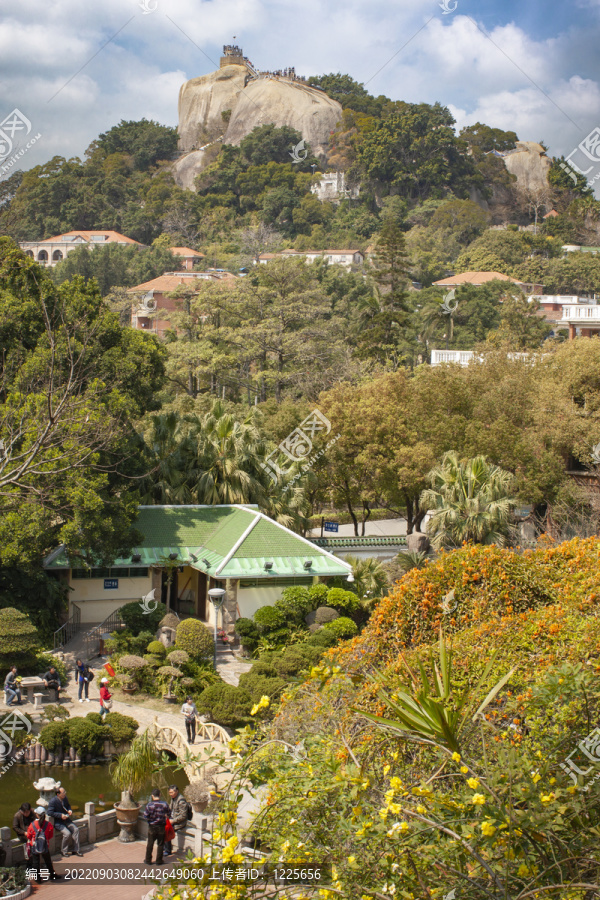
96, 603
251, 599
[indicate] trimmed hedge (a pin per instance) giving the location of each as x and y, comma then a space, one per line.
226, 705
343, 628
137, 621
257, 685
195, 638
269, 618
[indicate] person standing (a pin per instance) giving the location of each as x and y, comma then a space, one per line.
156, 814
105, 697
39, 835
60, 810
12, 688
83, 679
22, 819
178, 816
189, 713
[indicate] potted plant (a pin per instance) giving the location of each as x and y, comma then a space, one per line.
131, 664
223, 636
13, 883
129, 773
198, 794
170, 673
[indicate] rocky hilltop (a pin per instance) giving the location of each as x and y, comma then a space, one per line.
529, 164
229, 103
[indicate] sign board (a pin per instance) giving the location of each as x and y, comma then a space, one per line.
330, 526
111, 584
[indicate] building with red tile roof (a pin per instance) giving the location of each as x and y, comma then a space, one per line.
151, 309
53, 250
480, 278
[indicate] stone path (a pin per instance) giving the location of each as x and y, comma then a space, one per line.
230, 666
106, 854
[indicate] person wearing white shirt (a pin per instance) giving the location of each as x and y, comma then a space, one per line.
189, 713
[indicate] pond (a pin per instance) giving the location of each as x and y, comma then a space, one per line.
82, 783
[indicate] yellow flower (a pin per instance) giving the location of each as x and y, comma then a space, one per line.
488, 829
396, 783
473, 783
536, 777
386, 769
464, 770
421, 809
352, 862
456, 757
477, 799
523, 870
547, 798
553, 781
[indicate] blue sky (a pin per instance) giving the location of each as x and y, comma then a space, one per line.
535, 69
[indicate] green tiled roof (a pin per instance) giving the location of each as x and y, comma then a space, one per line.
211, 533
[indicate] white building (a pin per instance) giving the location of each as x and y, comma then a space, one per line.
51, 251
332, 187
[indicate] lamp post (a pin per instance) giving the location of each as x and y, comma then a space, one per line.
216, 596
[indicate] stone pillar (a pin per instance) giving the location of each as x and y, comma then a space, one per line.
5, 838
201, 824
37, 701
230, 605
157, 582
91, 821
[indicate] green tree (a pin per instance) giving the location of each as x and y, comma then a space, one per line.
468, 500
145, 141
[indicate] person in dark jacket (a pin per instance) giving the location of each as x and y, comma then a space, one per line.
60, 810
83, 680
39, 835
52, 680
22, 819
178, 815
156, 814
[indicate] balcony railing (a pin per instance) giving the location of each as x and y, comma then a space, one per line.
580, 313
462, 357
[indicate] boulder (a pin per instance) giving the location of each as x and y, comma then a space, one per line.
166, 636
202, 101
529, 164
321, 616
268, 101
418, 541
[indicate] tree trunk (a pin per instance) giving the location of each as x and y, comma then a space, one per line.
366, 516
354, 519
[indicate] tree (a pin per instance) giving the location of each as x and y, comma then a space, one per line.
268, 143
145, 141
468, 501
115, 265
484, 139
71, 381
349, 93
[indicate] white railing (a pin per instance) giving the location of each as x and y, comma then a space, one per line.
462, 357
588, 312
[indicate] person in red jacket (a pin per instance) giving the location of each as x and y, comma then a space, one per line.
39, 835
105, 696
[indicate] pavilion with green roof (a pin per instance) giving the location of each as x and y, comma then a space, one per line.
187, 550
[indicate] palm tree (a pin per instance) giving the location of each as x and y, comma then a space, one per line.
227, 455
370, 580
168, 453
469, 500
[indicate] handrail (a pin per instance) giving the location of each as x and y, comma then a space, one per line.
70, 628
94, 636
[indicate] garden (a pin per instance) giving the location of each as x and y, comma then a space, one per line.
448, 750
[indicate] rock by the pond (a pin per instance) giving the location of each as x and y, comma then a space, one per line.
417, 541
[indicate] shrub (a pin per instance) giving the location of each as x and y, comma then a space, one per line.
264, 668
195, 638
18, 636
169, 621
343, 628
136, 620
317, 594
54, 736
246, 628
345, 602
122, 728
295, 660
201, 674
178, 657
153, 661
226, 705
85, 736
323, 638
157, 649
257, 685
138, 643
293, 604
321, 616
268, 619
96, 718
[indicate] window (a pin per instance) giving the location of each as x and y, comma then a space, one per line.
138, 572
99, 237
274, 582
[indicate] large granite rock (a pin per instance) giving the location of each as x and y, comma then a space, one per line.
529, 164
202, 102
269, 101
418, 541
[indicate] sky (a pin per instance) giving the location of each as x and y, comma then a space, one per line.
72, 70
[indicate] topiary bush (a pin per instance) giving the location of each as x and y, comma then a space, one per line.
122, 728
19, 638
321, 616
195, 638
137, 621
257, 685
345, 602
248, 633
323, 638
268, 618
85, 736
295, 660
54, 736
178, 657
169, 621
264, 668
156, 649
317, 594
154, 661
343, 628
226, 705
293, 605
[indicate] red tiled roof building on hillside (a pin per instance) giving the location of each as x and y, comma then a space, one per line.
53, 250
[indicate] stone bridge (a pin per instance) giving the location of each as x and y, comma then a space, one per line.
209, 738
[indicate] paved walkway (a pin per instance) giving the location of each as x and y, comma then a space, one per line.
106, 854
